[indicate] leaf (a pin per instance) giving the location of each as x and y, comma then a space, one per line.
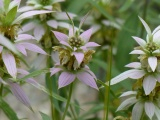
10, 16
125, 42
45, 116
8, 110
33, 74
126, 5
6, 4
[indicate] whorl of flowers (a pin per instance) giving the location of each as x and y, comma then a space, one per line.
74, 55
147, 74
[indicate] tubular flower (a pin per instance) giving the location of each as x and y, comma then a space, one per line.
74, 54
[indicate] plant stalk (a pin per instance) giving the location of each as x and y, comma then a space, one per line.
68, 101
1, 89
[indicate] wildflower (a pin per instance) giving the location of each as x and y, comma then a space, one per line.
141, 103
12, 43
74, 54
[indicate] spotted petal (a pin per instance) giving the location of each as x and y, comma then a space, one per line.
86, 35
87, 79
10, 63
149, 109
65, 79
149, 84
152, 63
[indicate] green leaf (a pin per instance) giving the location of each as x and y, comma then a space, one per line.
8, 110
45, 116
126, 5
125, 42
6, 4
33, 74
11, 16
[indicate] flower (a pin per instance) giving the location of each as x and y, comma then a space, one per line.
149, 49
85, 75
141, 103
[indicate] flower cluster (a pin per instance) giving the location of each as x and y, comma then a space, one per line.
147, 74
74, 55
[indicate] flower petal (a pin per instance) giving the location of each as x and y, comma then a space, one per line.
137, 52
152, 63
24, 37
137, 111
90, 72
149, 84
79, 57
39, 32
91, 44
60, 36
19, 94
55, 70
135, 65
65, 79
21, 49
146, 27
149, 109
30, 14
156, 36
25, 8
71, 32
127, 103
52, 23
86, 35
87, 79
33, 47
134, 74
157, 76
10, 63
65, 43
140, 41
63, 15
27, 27
128, 93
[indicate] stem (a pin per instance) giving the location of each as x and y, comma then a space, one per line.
68, 101
107, 95
75, 118
50, 87
1, 90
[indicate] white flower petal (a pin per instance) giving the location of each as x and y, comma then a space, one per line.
157, 112
137, 52
134, 74
128, 93
135, 65
152, 63
127, 103
137, 111
149, 109
140, 41
149, 84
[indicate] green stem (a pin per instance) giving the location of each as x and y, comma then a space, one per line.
1, 89
68, 101
74, 116
107, 95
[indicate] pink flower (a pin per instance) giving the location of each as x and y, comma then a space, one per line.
66, 77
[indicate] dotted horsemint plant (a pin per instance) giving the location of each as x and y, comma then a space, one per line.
74, 55
145, 94
13, 46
